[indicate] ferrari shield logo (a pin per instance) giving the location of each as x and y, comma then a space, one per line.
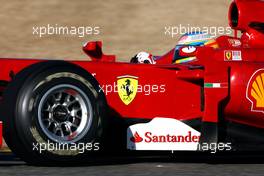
228, 55
127, 88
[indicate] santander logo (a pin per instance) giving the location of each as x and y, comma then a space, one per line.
136, 138
162, 134
152, 138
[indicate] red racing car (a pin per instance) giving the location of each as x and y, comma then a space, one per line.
203, 95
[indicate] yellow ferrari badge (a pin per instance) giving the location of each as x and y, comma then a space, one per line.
127, 88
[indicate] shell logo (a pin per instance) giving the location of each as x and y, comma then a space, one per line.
255, 91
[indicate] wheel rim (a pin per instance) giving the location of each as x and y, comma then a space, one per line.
65, 113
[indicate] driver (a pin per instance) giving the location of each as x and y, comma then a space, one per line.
184, 51
143, 58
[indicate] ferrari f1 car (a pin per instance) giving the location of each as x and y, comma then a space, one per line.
63, 111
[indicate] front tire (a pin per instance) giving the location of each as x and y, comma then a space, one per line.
53, 113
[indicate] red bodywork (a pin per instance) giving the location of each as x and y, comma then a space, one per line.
188, 94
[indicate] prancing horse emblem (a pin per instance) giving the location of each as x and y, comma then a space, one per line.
127, 88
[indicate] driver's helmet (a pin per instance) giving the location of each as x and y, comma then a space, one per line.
188, 44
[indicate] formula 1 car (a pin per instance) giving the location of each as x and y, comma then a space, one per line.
65, 111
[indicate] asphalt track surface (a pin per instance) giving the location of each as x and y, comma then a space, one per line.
144, 166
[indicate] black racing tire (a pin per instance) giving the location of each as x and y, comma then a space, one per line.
25, 132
